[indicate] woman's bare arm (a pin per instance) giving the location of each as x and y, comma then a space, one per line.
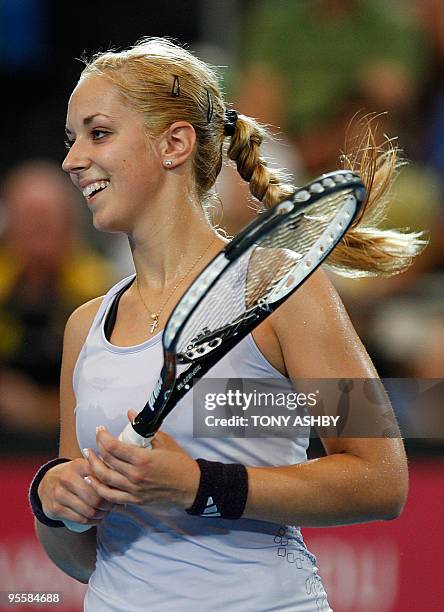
74, 553
361, 479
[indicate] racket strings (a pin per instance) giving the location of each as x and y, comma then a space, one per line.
266, 268
261, 272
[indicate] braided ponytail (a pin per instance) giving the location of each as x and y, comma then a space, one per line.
366, 250
267, 185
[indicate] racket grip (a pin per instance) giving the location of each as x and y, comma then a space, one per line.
78, 527
130, 436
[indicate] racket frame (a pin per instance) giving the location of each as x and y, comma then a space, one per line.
170, 389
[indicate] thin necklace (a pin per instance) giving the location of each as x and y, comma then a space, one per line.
155, 315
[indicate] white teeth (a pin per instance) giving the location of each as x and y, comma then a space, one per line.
92, 187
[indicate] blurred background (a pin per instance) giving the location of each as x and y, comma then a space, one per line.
304, 67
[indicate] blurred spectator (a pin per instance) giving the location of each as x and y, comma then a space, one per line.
431, 106
46, 271
339, 56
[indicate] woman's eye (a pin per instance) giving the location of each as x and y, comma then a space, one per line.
98, 134
69, 143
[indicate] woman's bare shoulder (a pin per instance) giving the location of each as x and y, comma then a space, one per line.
84, 314
317, 338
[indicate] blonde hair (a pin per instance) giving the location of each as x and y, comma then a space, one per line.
166, 83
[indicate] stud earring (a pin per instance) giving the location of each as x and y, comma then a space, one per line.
168, 162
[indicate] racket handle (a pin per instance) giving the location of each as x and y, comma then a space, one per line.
130, 436
78, 527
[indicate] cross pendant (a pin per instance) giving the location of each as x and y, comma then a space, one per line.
154, 324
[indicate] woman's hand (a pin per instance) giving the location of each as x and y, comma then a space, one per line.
66, 495
125, 474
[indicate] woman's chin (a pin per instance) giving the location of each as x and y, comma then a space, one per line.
104, 224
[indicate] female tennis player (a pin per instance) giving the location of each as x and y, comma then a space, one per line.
147, 130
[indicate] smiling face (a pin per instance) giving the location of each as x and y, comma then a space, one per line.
111, 160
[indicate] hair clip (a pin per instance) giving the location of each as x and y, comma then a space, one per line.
210, 106
175, 90
230, 120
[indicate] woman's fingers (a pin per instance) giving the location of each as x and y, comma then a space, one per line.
114, 496
124, 474
131, 415
77, 484
69, 505
93, 499
117, 449
65, 494
111, 460
109, 476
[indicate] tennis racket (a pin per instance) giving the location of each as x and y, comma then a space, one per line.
245, 283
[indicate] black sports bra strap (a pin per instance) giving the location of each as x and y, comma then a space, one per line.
112, 312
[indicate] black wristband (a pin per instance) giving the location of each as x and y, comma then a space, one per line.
222, 492
33, 496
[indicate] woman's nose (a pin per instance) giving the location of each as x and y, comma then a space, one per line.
76, 160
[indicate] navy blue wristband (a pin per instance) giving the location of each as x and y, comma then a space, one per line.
222, 492
33, 496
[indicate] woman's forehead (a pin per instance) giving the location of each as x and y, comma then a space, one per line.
95, 95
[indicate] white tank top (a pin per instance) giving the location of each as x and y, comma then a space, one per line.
157, 557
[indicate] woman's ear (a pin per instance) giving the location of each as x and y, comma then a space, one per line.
176, 145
